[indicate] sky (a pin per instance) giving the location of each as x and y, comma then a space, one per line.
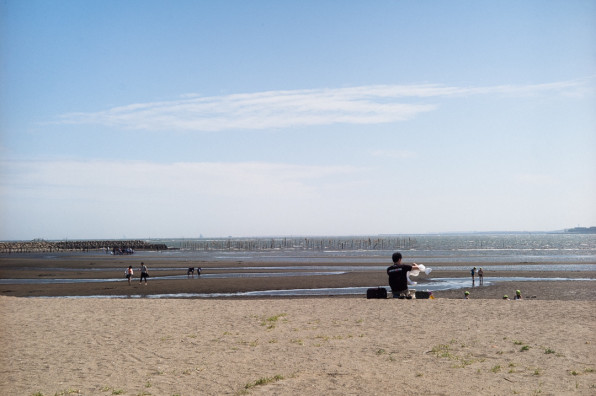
181, 119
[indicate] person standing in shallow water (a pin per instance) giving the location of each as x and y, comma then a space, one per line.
480, 276
144, 273
473, 272
398, 276
129, 273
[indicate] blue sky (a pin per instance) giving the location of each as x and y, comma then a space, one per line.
143, 119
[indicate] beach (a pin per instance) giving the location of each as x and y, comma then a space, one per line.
307, 346
77, 338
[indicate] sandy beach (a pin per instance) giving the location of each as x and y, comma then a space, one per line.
332, 345
307, 346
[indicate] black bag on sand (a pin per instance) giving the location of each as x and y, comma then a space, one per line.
376, 292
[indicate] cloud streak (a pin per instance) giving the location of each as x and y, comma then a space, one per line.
87, 198
376, 104
95, 180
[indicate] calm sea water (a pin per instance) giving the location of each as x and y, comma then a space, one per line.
495, 248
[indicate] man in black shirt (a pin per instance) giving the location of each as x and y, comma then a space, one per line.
398, 279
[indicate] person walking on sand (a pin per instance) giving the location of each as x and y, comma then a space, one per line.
398, 276
144, 273
129, 273
480, 276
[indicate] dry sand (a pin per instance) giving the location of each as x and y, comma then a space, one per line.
299, 346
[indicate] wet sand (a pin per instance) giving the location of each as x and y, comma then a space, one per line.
85, 266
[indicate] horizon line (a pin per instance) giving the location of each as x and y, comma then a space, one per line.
563, 230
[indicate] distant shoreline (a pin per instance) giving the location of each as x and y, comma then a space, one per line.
343, 243
144, 241
581, 230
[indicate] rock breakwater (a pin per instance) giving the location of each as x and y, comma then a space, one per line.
40, 246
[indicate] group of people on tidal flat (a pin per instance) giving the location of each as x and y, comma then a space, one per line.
397, 273
128, 273
480, 275
398, 279
119, 251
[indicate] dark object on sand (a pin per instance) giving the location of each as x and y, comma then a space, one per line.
376, 292
423, 294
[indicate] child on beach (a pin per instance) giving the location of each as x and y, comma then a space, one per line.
466, 295
472, 272
480, 276
129, 273
518, 295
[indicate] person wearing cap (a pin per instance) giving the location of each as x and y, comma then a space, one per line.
398, 276
518, 295
466, 295
505, 297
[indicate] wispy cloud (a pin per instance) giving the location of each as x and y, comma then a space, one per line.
124, 180
88, 197
374, 104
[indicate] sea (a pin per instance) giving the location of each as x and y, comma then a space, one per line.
529, 248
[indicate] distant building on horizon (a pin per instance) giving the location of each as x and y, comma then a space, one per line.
582, 230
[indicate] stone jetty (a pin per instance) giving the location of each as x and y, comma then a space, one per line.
41, 246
